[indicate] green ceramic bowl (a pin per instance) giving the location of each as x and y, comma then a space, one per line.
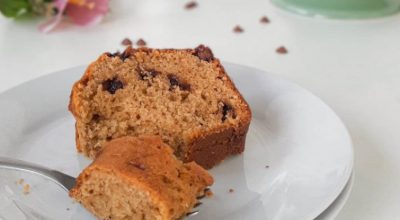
342, 9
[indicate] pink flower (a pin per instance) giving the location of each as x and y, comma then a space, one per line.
59, 7
81, 12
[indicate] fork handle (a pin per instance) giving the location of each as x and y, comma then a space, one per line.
54, 175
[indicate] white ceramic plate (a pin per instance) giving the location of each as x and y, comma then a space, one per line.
304, 144
333, 210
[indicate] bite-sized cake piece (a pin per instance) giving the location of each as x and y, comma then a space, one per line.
140, 178
184, 96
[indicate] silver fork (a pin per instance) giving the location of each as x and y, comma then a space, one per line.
62, 179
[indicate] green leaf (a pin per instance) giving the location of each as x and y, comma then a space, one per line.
14, 8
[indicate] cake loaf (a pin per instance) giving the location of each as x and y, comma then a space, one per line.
140, 178
183, 95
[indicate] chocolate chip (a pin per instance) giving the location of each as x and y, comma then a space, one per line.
264, 20
174, 82
191, 5
124, 55
238, 29
113, 54
203, 53
231, 190
137, 165
112, 85
281, 50
141, 43
146, 73
226, 110
126, 42
95, 117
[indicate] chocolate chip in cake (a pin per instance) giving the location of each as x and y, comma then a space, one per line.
238, 29
126, 42
137, 165
264, 20
113, 54
112, 85
95, 117
191, 5
122, 55
141, 43
282, 50
226, 111
174, 83
203, 53
145, 74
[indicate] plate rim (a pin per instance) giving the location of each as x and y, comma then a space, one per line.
349, 174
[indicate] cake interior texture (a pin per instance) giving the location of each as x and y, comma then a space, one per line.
140, 178
184, 96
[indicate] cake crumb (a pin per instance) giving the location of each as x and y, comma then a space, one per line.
266, 166
191, 5
208, 193
68, 209
282, 50
21, 181
126, 42
231, 190
264, 20
26, 189
141, 43
238, 29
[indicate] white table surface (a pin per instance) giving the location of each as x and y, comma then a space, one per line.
354, 66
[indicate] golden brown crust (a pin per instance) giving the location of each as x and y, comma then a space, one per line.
201, 142
149, 164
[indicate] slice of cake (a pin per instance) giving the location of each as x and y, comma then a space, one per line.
184, 96
140, 178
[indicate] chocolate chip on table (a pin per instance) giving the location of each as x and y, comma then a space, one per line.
282, 50
126, 42
238, 29
141, 43
226, 109
112, 85
191, 5
231, 190
264, 20
203, 53
174, 82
